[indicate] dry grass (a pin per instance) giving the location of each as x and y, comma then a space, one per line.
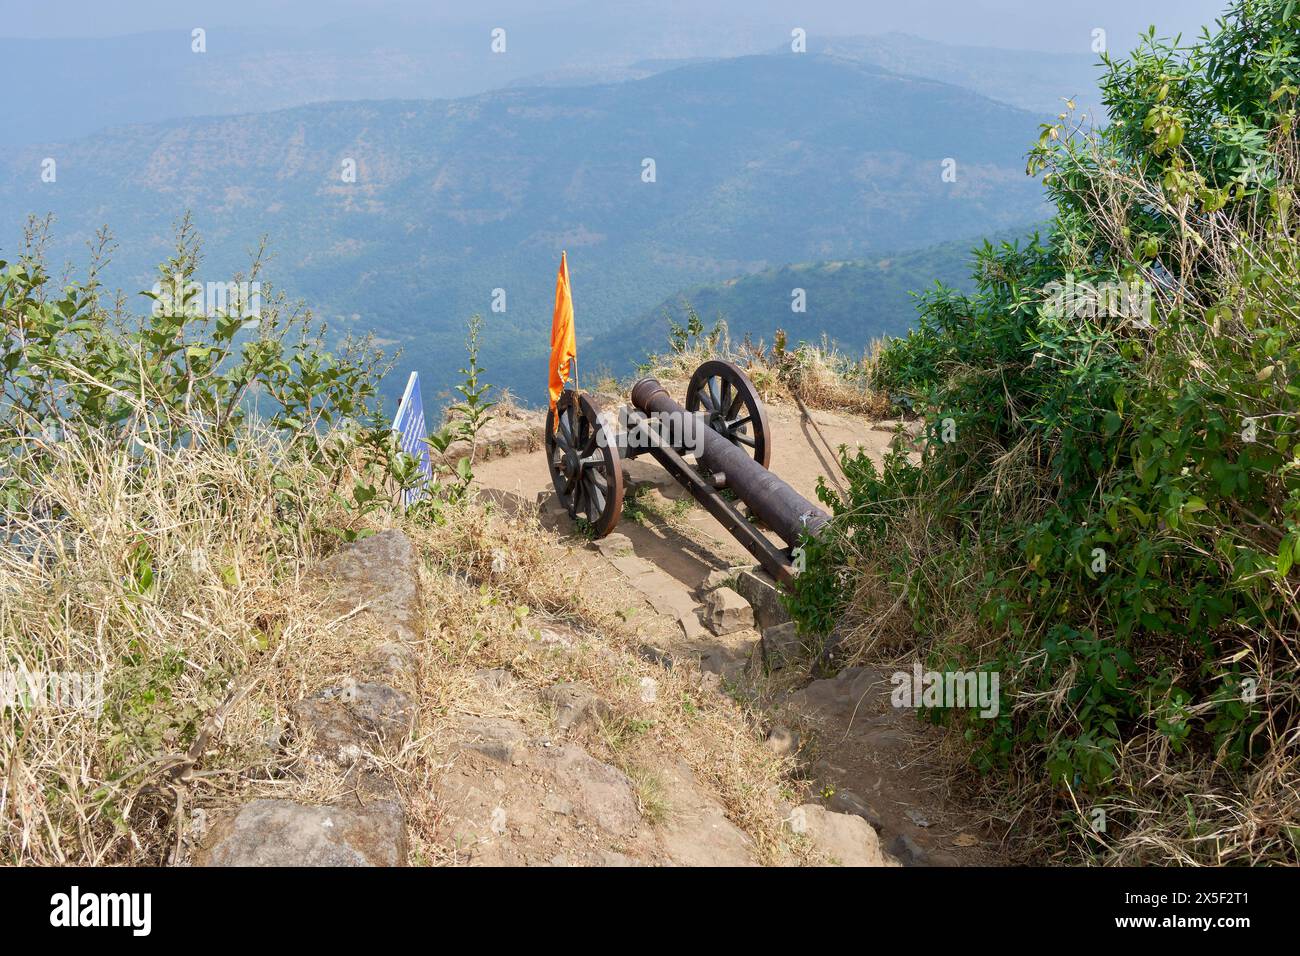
182, 576
485, 613
819, 373
177, 577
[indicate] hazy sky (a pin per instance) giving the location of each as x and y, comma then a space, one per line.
1032, 24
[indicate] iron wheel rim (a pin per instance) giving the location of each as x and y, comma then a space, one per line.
582, 456
731, 407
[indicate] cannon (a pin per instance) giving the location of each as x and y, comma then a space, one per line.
717, 447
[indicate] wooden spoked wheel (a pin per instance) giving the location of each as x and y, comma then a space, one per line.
582, 454
730, 402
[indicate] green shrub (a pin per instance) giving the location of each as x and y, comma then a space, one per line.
182, 375
1108, 506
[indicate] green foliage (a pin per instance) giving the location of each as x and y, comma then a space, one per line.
65, 357
473, 411
852, 303
183, 374
1120, 508
690, 335
469, 417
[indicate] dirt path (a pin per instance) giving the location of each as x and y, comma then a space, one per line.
859, 754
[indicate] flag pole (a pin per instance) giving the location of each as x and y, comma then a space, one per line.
573, 363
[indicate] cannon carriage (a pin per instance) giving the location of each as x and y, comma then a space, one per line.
717, 446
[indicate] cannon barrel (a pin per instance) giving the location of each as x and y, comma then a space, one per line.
775, 503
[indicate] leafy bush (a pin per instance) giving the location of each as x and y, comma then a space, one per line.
1108, 506
184, 375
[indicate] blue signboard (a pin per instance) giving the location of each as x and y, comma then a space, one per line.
409, 425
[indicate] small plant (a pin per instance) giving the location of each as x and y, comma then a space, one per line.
469, 417
651, 795
680, 336
474, 410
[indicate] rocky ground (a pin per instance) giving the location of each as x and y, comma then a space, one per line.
516, 694
852, 752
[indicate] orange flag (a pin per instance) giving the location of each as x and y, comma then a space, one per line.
564, 349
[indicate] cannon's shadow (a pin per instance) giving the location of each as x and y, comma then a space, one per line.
826, 455
677, 554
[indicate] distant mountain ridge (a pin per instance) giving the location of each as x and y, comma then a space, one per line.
758, 160
617, 73
87, 85
1032, 80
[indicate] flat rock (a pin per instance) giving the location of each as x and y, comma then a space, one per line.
847, 839
691, 627
599, 794
727, 662
758, 588
378, 706
391, 660
556, 803
726, 612
716, 579
379, 573
343, 723
613, 545
697, 831
285, 833
575, 705
500, 739
662, 591
840, 694
782, 646
329, 732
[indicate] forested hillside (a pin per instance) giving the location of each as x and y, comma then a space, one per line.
757, 161
851, 303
